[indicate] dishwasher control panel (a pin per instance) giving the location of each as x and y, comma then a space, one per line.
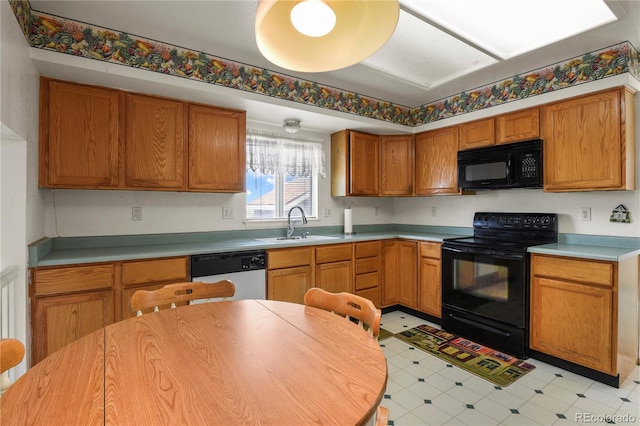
203, 265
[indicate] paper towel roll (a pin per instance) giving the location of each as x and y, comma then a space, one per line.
348, 221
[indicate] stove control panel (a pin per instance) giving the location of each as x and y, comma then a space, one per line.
516, 221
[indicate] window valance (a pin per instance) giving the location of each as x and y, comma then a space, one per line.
274, 154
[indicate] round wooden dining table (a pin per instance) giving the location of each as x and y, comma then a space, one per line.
221, 363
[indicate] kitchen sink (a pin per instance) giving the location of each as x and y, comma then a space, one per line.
295, 239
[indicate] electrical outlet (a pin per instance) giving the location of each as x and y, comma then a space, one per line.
434, 211
227, 213
585, 213
375, 211
327, 212
136, 214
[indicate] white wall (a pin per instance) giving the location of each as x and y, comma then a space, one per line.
87, 213
459, 210
22, 208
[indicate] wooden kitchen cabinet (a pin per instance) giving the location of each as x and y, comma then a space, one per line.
289, 273
68, 303
150, 274
399, 273
430, 279
518, 126
99, 138
396, 165
334, 268
585, 311
436, 162
79, 136
367, 270
355, 164
477, 133
155, 143
589, 142
216, 149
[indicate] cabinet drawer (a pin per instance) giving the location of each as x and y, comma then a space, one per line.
367, 280
372, 294
150, 271
585, 271
433, 250
367, 249
67, 280
371, 264
333, 253
288, 258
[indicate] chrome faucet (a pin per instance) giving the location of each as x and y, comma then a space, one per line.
290, 226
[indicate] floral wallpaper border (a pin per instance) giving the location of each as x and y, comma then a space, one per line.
80, 39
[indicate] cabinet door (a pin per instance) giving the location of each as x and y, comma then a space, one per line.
437, 162
79, 136
583, 147
477, 134
60, 320
399, 273
430, 290
573, 322
216, 149
154, 143
364, 163
335, 277
518, 126
289, 284
396, 165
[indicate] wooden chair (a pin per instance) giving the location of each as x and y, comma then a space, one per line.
11, 354
382, 416
172, 294
348, 305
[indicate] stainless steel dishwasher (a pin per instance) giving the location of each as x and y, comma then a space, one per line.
246, 269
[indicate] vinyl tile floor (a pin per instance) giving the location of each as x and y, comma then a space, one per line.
424, 390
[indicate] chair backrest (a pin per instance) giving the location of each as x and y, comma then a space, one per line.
171, 294
382, 416
348, 305
11, 353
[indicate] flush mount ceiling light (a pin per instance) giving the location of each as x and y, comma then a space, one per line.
291, 125
323, 35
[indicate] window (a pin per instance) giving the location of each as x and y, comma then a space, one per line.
282, 173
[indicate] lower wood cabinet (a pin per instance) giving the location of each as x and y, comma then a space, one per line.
430, 279
368, 270
399, 273
585, 311
334, 268
69, 302
289, 274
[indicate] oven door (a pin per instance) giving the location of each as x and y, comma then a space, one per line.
486, 282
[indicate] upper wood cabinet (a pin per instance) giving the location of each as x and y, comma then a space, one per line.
355, 162
436, 154
589, 142
99, 138
79, 136
216, 149
156, 131
477, 134
518, 126
396, 165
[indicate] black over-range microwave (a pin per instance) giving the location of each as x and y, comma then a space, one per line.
515, 165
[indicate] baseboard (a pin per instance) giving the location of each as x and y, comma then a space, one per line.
578, 369
413, 312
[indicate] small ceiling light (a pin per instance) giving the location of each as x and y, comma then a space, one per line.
361, 27
313, 18
291, 125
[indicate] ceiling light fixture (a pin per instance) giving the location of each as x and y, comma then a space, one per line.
291, 125
349, 31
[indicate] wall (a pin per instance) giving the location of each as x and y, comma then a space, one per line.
459, 210
85, 213
22, 212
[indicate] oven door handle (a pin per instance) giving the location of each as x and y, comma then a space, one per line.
481, 326
486, 252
